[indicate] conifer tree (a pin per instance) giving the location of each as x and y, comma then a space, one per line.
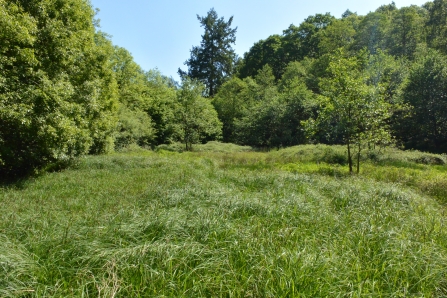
213, 61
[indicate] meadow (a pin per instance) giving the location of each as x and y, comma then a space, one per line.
225, 221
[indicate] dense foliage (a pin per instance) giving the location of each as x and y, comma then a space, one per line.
66, 90
398, 81
57, 90
196, 118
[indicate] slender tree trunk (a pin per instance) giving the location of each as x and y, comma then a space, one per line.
349, 156
358, 160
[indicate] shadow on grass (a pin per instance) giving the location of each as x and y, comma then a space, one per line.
18, 181
18, 178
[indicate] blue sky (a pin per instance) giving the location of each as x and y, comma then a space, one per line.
160, 33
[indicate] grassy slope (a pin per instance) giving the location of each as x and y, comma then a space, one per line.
234, 224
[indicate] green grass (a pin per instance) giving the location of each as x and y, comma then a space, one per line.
289, 223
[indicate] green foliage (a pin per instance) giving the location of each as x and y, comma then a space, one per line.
213, 61
426, 93
407, 31
273, 120
303, 41
161, 109
371, 32
339, 34
196, 117
230, 102
437, 25
357, 111
131, 80
135, 127
134, 123
264, 52
385, 43
57, 90
264, 113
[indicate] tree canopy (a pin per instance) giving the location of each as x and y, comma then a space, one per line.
363, 81
213, 61
58, 95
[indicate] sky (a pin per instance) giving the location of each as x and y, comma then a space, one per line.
160, 33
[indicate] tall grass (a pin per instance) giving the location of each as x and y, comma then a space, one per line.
234, 224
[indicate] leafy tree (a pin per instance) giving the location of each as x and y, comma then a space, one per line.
303, 41
371, 32
269, 51
57, 89
407, 31
230, 102
96, 87
196, 117
161, 108
261, 126
340, 33
347, 14
259, 123
134, 124
130, 78
360, 111
300, 104
213, 61
388, 73
134, 127
426, 93
437, 25
273, 115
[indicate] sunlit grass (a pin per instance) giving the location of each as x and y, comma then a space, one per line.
229, 224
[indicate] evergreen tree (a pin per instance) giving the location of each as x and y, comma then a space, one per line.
213, 61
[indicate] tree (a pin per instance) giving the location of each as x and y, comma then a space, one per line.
162, 91
134, 123
213, 61
303, 41
230, 103
196, 117
340, 33
407, 31
270, 113
437, 25
57, 89
359, 110
371, 31
426, 93
269, 51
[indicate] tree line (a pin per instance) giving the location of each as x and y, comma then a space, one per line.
364, 81
66, 90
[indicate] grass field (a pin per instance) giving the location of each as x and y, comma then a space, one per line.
227, 222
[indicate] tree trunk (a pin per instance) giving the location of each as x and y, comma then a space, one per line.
358, 160
349, 157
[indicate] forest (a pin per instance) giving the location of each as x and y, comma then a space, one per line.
362, 81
